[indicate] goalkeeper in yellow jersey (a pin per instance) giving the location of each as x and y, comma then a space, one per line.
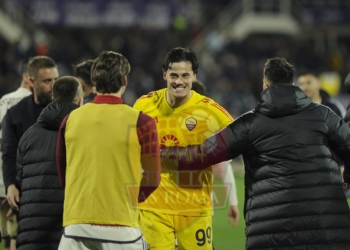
181, 205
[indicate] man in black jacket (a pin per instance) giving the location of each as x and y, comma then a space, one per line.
309, 83
42, 73
294, 195
41, 205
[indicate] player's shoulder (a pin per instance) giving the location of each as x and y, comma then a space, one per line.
6, 96
199, 99
148, 97
209, 103
24, 104
151, 98
11, 95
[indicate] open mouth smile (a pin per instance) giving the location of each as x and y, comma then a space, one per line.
179, 87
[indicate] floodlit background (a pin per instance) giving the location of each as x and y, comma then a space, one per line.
233, 40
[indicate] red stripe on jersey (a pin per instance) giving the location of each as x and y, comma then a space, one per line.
149, 95
222, 110
206, 100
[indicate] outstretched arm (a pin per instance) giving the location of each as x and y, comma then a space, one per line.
339, 141
225, 145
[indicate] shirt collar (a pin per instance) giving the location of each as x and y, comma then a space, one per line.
109, 99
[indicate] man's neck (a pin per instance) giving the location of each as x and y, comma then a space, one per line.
176, 102
87, 91
110, 94
25, 86
317, 99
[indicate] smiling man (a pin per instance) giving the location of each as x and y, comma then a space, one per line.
293, 189
181, 205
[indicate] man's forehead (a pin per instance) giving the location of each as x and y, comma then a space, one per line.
307, 77
183, 65
47, 70
47, 73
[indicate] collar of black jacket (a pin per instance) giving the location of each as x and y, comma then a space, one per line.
282, 99
54, 113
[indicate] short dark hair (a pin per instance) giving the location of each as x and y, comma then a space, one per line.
304, 72
108, 72
83, 71
65, 89
278, 70
199, 87
180, 55
24, 65
39, 62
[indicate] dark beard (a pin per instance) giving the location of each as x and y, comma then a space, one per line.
44, 98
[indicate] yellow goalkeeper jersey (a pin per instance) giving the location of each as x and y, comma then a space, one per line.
183, 192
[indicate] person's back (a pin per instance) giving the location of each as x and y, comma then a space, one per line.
41, 203
292, 176
106, 156
294, 195
100, 162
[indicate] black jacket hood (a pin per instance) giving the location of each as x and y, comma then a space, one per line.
282, 99
53, 114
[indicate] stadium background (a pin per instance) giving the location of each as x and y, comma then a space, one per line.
233, 39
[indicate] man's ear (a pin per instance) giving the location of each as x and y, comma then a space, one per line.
25, 77
266, 85
164, 75
82, 84
80, 102
31, 81
125, 81
53, 99
92, 81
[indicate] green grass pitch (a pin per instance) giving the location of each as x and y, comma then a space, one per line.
225, 237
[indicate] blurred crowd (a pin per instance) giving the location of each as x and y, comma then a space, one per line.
231, 70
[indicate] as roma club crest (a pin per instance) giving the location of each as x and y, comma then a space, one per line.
191, 123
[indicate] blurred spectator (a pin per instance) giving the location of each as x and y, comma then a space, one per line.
83, 72
309, 83
11, 99
222, 59
9, 224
